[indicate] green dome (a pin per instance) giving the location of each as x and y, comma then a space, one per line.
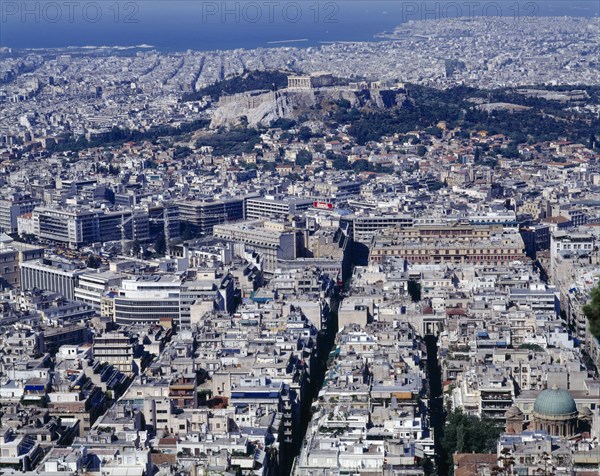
554, 402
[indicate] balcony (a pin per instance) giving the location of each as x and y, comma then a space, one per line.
495, 408
496, 398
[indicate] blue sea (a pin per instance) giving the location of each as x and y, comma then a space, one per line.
181, 25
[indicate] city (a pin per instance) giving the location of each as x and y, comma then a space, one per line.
358, 259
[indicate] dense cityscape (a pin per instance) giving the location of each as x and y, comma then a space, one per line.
358, 259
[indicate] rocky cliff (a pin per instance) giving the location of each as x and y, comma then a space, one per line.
261, 108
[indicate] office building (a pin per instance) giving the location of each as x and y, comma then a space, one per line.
57, 278
536, 238
147, 299
436, 244
271, 240
338, 191
279, 207
123, 224
362, 228
164, 218
93, 285
78, 227
200, 216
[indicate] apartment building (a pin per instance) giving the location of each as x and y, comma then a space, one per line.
14, 206
115, 348
209, 291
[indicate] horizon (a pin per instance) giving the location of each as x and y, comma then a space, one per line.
219, 26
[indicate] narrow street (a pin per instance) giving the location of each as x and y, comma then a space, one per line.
437, 415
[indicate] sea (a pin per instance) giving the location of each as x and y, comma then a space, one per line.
180, 25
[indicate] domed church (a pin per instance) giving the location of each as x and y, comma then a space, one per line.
555, 412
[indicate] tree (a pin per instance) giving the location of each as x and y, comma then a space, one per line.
340, 162
303, 158
469, 434
304, 134
361, 165
427, 465
533, 347
592, 312
414, 289
511, 151
507, 460
181, 152
93, 262
231, 142
435, 131
187, 232
247, 81
268, 166
283, 124
136, 248
160, 245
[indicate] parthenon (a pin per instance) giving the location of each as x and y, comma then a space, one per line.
299, 82
314, 80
